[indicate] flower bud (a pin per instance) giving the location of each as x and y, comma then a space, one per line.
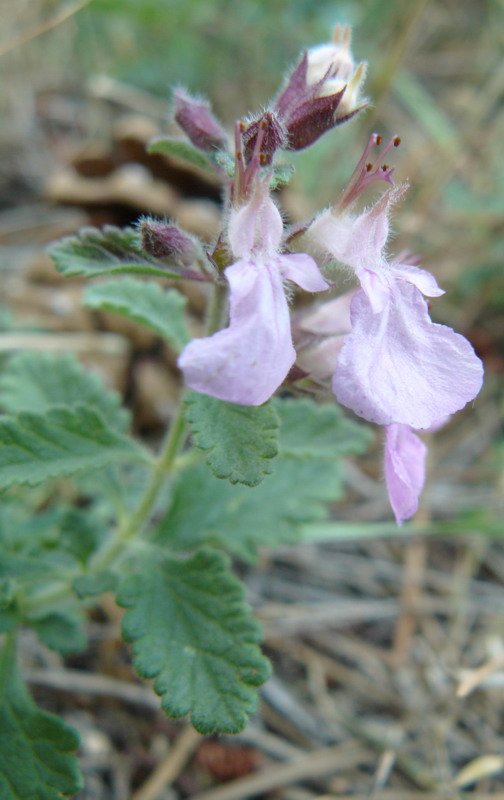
197, 121
162, 240
322, 92
273, 137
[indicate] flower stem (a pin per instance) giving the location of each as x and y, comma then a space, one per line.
131, 526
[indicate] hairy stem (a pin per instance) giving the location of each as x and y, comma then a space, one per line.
132, 525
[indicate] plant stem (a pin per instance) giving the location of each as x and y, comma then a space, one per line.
133, 525
215, 308
130, 526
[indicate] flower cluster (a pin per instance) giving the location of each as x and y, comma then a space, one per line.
389, 362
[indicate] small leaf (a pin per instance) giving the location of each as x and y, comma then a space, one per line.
36, 447
311, 430
147, 303
92, 585
239, 441
36, 748
37, 381
105, 252
192, 631
282, 173
178, 148
63, 632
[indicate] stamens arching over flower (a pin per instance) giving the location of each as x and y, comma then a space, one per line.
368, 172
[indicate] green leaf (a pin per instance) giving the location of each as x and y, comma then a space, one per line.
191, 630
306, 477
205, 510
37, 381
144, 302
105, 252
282, 173
311, 430
92, 585
239, 441
36, 447
37, 760
178, 148
63, 632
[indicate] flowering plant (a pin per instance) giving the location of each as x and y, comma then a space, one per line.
259, 468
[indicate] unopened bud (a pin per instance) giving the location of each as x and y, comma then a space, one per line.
198, 122
322, 91
335, 58
273, 136
162, 240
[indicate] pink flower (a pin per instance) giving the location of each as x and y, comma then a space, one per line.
247, 362
396, 366
405, 456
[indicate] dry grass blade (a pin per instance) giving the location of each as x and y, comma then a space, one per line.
61, 16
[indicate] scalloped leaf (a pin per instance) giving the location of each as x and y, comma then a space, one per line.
105, 251
34, 381
37, 759
37, 447
192, 632
146, 303
239, 441
311, 430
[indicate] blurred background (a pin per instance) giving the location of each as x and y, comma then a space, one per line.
389, 647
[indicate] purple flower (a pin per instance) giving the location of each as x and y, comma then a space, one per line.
396, 366
405, 456
247, 362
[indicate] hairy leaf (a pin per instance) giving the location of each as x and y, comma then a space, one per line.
178, 148
37, 758
239, 441
105, 251
193, 633
36, 447
92, 585
311, 430
205, 510
61, 631
34, 381
147, 303
305, 478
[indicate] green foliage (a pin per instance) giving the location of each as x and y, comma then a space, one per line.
105, 252
282, 174
35, 382
306, 476
37, 758
92, 585
144, 302
239, 441
319, 431
193, 633
178, 148
61, 631
37, 447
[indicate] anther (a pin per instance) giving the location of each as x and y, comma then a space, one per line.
369, 167
397, 141
379, 139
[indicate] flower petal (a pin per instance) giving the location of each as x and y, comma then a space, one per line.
246, 362
302, 270
399, 366
320, 359
331, 318
420, 278
256, 227
405, 456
